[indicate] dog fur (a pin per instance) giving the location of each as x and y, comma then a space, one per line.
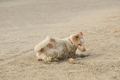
51, 48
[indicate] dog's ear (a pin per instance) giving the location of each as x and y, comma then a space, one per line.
75, 37
80, 34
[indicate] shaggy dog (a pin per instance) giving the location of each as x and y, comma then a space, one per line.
51, 48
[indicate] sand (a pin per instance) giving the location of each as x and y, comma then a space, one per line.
24, 23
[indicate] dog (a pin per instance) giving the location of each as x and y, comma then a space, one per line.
52, 48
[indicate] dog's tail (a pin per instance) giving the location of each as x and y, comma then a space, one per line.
42, 44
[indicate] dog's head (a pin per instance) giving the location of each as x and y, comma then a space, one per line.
78, 41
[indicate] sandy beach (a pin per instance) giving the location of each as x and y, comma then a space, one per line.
24, 23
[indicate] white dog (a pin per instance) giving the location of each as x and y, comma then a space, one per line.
52, 48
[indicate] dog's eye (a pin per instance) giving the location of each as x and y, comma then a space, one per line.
76, 37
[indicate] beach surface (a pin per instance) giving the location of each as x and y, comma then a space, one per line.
24, 23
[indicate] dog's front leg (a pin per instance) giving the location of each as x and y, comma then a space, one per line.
82, 55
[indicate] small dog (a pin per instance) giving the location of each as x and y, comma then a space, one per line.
51, 48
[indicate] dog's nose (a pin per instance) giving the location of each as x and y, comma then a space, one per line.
84, 50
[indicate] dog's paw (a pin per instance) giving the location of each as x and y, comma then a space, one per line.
71, 61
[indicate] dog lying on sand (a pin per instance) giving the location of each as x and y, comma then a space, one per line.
51, 48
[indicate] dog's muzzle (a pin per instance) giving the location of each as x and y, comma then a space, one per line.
81, 48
